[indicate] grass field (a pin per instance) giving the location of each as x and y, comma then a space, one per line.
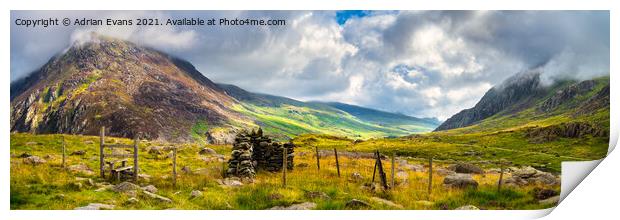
49, 186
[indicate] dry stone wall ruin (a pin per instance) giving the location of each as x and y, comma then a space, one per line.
253, 151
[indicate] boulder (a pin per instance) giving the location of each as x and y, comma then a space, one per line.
24, 155
207, 150
186, 170
150, 188
467, 207
155, 150
317, 195
78, 153
466, 168
195, 194
443, 172
125, 187
81, 168
300, 206
550, 201
34, 160
132, 200
157, 197
525, 172
95, 206
357, 204
386, 202
542, 194
529, 175
460, 180
229, 182
356, 177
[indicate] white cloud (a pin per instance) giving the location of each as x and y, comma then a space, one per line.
422, 63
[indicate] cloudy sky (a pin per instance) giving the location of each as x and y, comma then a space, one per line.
420, 63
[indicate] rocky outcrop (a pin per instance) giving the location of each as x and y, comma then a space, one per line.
512, 92
96, 206
34, 160
565, 130
529, 175
300, 206
566, 94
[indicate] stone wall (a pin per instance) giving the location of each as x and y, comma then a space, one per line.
253, 152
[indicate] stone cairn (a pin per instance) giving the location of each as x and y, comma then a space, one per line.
253, 151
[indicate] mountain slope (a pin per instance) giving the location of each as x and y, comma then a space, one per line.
133, 90
522, 101
126, 88
280, 115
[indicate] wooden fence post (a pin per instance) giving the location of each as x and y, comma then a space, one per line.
381, 172
284, 166
174, 166
136, 168
393, 166
337, 164
374, 171
64, 152
318, 164
501, 175
430, 176
101, 143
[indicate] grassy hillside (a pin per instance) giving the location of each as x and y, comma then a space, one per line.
284, 117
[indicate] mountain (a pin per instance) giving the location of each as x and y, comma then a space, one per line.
281, 115
523, 100
132, 90
127, 88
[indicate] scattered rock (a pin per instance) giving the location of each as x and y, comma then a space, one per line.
356, 177
78, 153
466, 168
81, 168
529, 175
551, 200
403, 177
132, 200
76, 185
96, 206
207, 150
460, 180
34, 160
387, 202
150, 188
145, 177
317, 195
300, 206
87, 181
155, 150
275, 196
229, 182
467, 207
186, 170
157, 197
443, 172
125, 186
542, 194
24, 155
302, 165
195, 194
357, 204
